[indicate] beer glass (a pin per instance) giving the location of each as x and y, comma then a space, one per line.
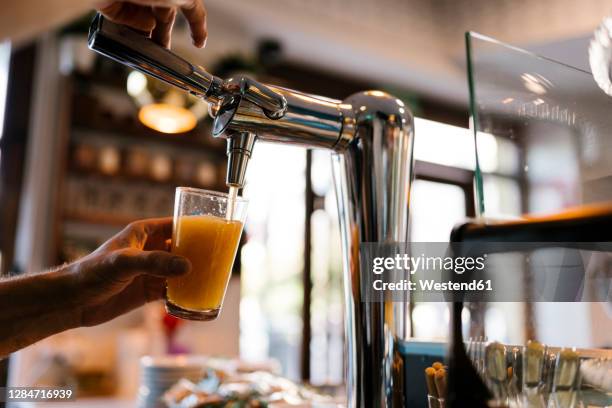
207, 234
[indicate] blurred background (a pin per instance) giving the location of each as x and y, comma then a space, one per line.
88, 146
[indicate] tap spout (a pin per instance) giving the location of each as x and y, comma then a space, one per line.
239, 149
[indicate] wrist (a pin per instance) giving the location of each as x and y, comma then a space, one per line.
36, 306
41, 294
64, 296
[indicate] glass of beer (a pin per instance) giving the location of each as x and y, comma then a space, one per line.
206, 230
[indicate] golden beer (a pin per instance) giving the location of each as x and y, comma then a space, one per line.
210, 243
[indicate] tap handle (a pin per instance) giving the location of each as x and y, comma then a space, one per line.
133, 49
272, 103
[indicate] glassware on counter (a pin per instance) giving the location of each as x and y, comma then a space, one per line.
566, 381
596, 377
515, 372
158, 374
496, 370
435, 402
551, 377
597, 372
534, 358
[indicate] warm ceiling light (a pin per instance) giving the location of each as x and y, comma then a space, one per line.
163, 107
167, 118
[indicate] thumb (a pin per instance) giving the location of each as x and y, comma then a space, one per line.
131, 262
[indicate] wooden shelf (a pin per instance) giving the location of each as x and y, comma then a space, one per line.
138, 181
210, 145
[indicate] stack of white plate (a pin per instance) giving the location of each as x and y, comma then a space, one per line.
158, 374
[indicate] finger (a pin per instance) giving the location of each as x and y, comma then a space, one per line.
158, 228
127, 263
134, 235
164, 17
153, 3
195, 13
149, 234
132, 15
158, 231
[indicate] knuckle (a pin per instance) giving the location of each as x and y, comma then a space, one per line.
155, 258
77, 268
121, 258
116, 258
131, 226
167, 15
136, 225
137, 229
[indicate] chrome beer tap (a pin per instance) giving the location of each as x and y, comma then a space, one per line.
371, 137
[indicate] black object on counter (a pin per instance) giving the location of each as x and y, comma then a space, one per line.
587, 224
465, 387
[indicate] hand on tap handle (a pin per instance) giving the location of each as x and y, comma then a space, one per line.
156, 17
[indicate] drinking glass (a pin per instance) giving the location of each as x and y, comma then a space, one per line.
435, 402
207, 234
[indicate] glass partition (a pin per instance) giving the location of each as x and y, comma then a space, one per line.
550, 125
